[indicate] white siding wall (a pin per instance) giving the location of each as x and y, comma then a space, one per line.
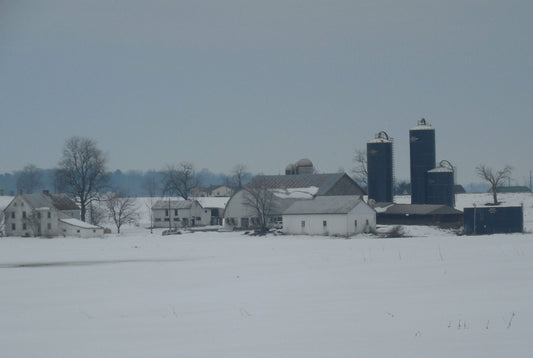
49, 226
236, 209
314, 224
336, 224
75, 231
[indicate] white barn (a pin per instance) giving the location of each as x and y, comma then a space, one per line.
329, 215
180, 213
286, 189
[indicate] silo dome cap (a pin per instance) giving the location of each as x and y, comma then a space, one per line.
422, 125
304, 163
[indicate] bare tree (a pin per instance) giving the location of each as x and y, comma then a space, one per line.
240, 175
151, 186
30, 179
121, 209
495, 179
82, 171
96, 212
180, 180
360, 170
260, 198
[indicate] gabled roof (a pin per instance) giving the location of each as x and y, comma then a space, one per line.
415, 209
324, 182
58, 201
173, 204
63, 202
325, 205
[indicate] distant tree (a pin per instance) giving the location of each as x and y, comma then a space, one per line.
180, 180
82, 171
495, 179
360, 170
30, 179
240, 175
260, 198
121, 209
402, 187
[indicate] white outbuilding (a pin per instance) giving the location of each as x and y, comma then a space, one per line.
344, 215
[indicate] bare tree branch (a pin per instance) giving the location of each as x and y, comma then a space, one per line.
259, 197
495, 179
180, 180
82, 171
121, 209
360, 171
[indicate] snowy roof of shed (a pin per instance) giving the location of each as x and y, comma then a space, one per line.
325, 205
415, 209
79, 223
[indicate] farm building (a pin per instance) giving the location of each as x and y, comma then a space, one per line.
493, 219
285, 190
329, 215
46, 215
180, 213
418, 214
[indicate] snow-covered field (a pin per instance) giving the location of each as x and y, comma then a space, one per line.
231, 295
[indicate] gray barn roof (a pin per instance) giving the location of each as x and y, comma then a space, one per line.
324, 205
324, 182
58, 201
173, 204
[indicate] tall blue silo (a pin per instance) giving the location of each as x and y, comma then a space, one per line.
422, 152
379, 153
440, 185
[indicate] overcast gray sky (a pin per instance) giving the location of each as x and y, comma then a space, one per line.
266, 83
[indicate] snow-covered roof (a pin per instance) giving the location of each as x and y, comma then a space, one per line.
423, 128
4, 201
173, 204
79, 223
440, 170
380, 140
213, 202
342, 204
296, 193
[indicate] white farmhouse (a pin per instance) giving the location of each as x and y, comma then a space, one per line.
46, 215
180, 213
329, 215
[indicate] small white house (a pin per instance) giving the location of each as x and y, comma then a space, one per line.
329, 216
180, 213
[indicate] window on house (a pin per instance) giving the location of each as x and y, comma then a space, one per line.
166, 212
303, 223
24, 215
49, 215
167, 219
12, 215
24, 226
77, 231
13, 227
157, 219
355, 222
324, 223
176, 219
175, 212
38, 215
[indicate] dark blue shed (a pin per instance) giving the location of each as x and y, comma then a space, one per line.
493, 219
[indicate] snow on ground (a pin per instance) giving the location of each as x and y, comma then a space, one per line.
231, 295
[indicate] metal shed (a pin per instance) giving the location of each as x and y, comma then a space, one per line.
488, 220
